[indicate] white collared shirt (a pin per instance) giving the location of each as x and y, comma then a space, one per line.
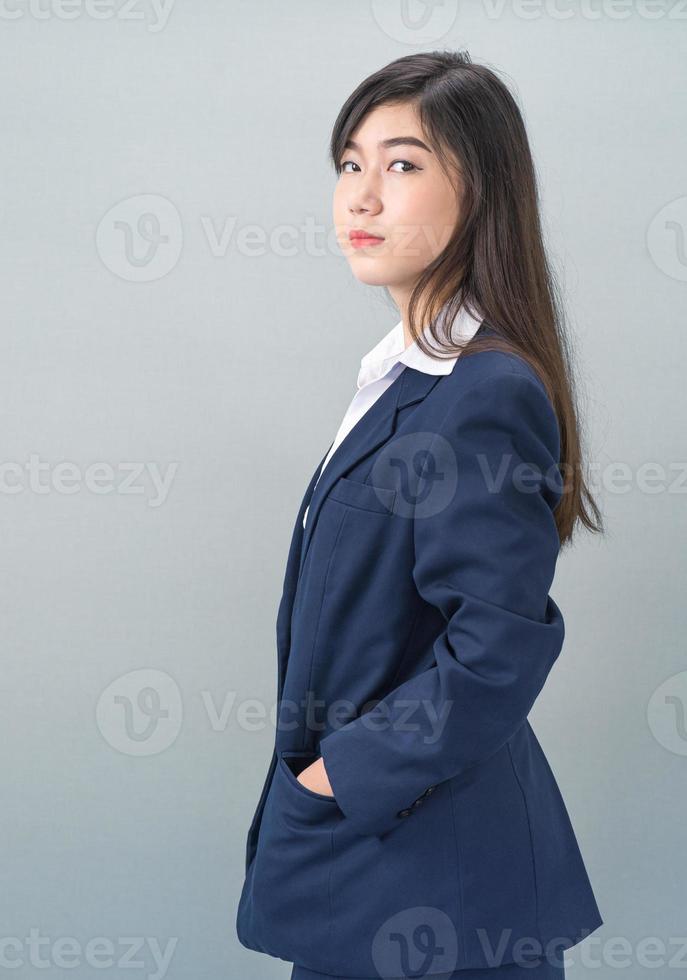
381, 366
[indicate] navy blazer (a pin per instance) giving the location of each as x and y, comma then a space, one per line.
414, 633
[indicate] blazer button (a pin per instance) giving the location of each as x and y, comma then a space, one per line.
403, 813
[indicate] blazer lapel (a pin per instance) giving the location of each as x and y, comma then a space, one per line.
291, 574
375, 427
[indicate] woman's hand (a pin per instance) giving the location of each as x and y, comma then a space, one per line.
314, 777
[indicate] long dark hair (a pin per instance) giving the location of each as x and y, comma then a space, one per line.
495, 262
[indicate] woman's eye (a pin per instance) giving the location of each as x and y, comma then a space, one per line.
405, 163
408, 163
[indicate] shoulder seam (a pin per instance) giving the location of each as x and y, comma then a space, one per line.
525, 378
532, 381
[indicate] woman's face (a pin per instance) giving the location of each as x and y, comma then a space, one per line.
398, 192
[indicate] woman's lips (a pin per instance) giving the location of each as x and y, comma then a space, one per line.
359, 239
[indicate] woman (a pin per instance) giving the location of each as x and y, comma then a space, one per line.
410, 824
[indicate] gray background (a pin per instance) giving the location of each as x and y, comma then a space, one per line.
123, 815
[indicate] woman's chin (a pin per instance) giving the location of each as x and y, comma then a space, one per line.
369, 278
372, 273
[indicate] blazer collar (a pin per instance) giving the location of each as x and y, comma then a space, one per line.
391, 349
377, 425
375, 428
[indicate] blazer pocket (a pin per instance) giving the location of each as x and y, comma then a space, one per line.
293, 763
365, 496
286, 908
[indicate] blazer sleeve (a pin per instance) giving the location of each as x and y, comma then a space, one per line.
486, 561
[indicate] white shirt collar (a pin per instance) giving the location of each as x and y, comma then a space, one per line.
390, 351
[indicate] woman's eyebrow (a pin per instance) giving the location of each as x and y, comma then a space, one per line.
393, 141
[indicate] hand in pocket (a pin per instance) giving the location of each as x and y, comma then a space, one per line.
314, 778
